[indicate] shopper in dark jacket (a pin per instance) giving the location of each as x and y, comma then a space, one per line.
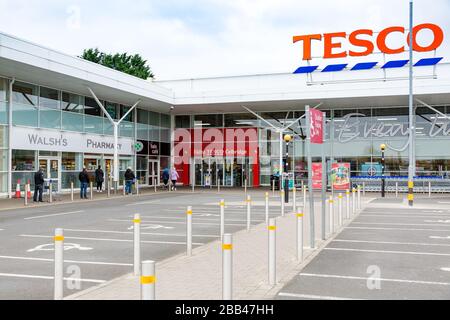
129, 180
38, 185
99, 178
84, 180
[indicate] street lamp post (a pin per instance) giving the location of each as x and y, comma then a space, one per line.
383, 180
287, 139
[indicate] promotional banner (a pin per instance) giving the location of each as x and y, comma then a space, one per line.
316, 126
317, 175
340, 176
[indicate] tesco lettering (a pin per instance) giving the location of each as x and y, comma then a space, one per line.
363, 38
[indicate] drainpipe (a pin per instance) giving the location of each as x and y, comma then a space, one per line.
9, 189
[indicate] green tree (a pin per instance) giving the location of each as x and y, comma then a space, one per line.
134, 65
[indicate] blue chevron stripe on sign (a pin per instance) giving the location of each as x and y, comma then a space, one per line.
395, 64
428, 62
334, 67
308, 69
364, 66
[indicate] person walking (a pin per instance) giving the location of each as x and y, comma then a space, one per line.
84, 180
129, 180
38, 185
174, 177
166, 177
99, 178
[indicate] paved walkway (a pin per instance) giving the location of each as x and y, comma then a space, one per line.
199, 277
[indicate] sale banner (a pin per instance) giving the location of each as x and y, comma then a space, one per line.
316, 126
317, 175
340, 176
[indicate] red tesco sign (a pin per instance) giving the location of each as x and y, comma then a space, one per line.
332, 42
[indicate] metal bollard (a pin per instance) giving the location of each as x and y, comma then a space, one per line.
267, 208
249, 217
124, 187
359, 197
137, 243
26, 195
91, 190
273, 188
272, 251
353, 201
59, 264
137, 187
347, 194
304, 198
222, 218
300, 237
294, 199
50, 190
340, 210
396, 189
71, 191
218, 185
108, 189
282, 202
364, 189
331, 212
189, 231
148, 280
429, 189
245, 186
227, 267
156, 180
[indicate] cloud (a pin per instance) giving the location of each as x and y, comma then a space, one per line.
187, 39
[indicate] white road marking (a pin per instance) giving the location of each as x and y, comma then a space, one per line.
113, 240
437, 221
373, 279
401, 243
393, 252
437, 237
399, 224
142, 233
314, 297
54, 215
201, 219
444, 202
146, 226
399, 215
181, 222
398, 229
15, 275
433, 211
142, 202
445, 269
51, 247
68, 261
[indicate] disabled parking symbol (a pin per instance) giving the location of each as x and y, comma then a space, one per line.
147, 226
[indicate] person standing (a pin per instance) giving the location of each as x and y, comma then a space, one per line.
129, 180
84, 180
99, 178
166, 177
38, 185
174, 177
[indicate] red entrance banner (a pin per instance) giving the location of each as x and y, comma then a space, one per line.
316, 126
317, 175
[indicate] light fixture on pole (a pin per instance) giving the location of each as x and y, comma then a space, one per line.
287, 139
383, 162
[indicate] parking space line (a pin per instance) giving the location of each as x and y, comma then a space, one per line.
180, 222
397, 215
388, 242
29, 276
402, 224
316, 275
398, 229
314, 297
197, 218
142, 202
68, 261
144, 233
53, 215
112, 240
390, 252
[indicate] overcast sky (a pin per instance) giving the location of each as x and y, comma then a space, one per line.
198, 38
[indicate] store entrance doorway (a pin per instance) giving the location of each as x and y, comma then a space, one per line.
52, 172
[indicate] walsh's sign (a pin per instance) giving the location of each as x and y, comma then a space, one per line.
50, 140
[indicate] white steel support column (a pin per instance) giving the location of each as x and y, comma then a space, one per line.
10, 106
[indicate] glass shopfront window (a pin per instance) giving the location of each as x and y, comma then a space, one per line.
25, 104
71, 166
50, 111
3, 101
23, 160
72, 112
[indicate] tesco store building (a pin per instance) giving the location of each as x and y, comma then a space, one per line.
50, 116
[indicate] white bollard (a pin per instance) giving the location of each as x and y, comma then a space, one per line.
137, 187
148, 280
267, 208
137, 243
282, 202
249, 217
245, 186
300, 237
364, 189
154, 185
71, 191
59, 264
91, 190
50, 189
222, 218
26, 195
189, 231
353, 201
227, 267
429, 189
124, 189
347, 194
359, 198
331, 213
218, 185
273, 188
396, 189
304, 198
340, 210
294, 200
272, 251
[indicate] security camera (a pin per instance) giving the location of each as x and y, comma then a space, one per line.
171, 108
